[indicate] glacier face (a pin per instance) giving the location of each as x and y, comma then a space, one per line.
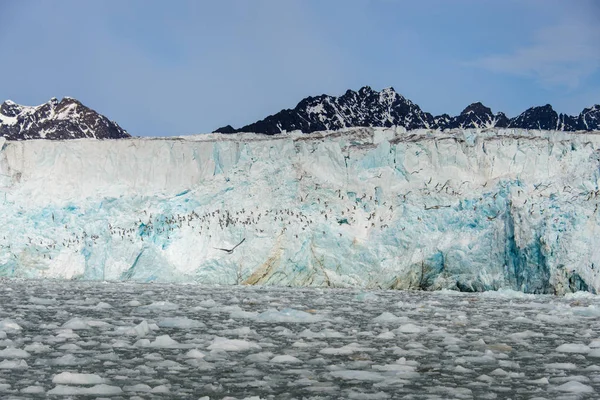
377, 208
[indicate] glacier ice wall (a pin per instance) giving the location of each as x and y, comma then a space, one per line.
375, 208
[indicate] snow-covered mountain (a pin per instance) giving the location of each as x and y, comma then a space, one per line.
65, 119
369, 108
467, 210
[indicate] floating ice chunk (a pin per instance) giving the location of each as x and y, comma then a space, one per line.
451, 340
409, 328
207, 303
97, 390
505, 293
325, 333
242, 331
366, 297
11, 352
140, 387
488, 358
180, 323
593, 344
141, 329
4, 387
41, 301
589, 311
525, 335
358, 375
67, 334
194, 353
153, 357
509, 364
566, 366
221, 343
9, 326
71, 378
594, 353
288, 315
580, 295
578, 378
387, 318
158, 306
37, 347
139, 343
14, 364
164, 341
134, 303
103, 306
285, 359
404, 369
69, 346
386, 335
344, 350
541, 381
68, 359
33, 390
500, 347
94, 323
2, 335
524, 320
499, 372
263, 356
160, 389
76, 324
485, 378
575, 387
573, 348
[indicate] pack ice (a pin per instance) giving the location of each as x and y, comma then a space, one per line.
469, 210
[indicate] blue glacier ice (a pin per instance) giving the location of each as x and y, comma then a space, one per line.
468, 210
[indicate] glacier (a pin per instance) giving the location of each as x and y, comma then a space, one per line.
468, 210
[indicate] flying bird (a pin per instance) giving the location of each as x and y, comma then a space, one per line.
229, 251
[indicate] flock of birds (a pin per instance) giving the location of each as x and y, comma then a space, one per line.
319, 211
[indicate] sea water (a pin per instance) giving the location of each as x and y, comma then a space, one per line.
154, 341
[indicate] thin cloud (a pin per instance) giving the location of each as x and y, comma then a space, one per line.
559, 55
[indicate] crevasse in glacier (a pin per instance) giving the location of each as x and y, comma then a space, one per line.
376, 208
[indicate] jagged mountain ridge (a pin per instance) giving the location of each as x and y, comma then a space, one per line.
64, 119
370, 108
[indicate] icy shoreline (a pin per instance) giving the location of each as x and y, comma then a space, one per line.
372, 208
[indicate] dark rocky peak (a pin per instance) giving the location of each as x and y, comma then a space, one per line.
366, 91
542, 117
502, 120
567, 123
10, 109
477, 116
477, 108
226, 129
64, 119
589, 118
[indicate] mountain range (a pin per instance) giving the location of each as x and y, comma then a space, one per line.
70, 119
64, 119
368, 107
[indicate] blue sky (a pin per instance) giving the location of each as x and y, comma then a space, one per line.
182, 67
